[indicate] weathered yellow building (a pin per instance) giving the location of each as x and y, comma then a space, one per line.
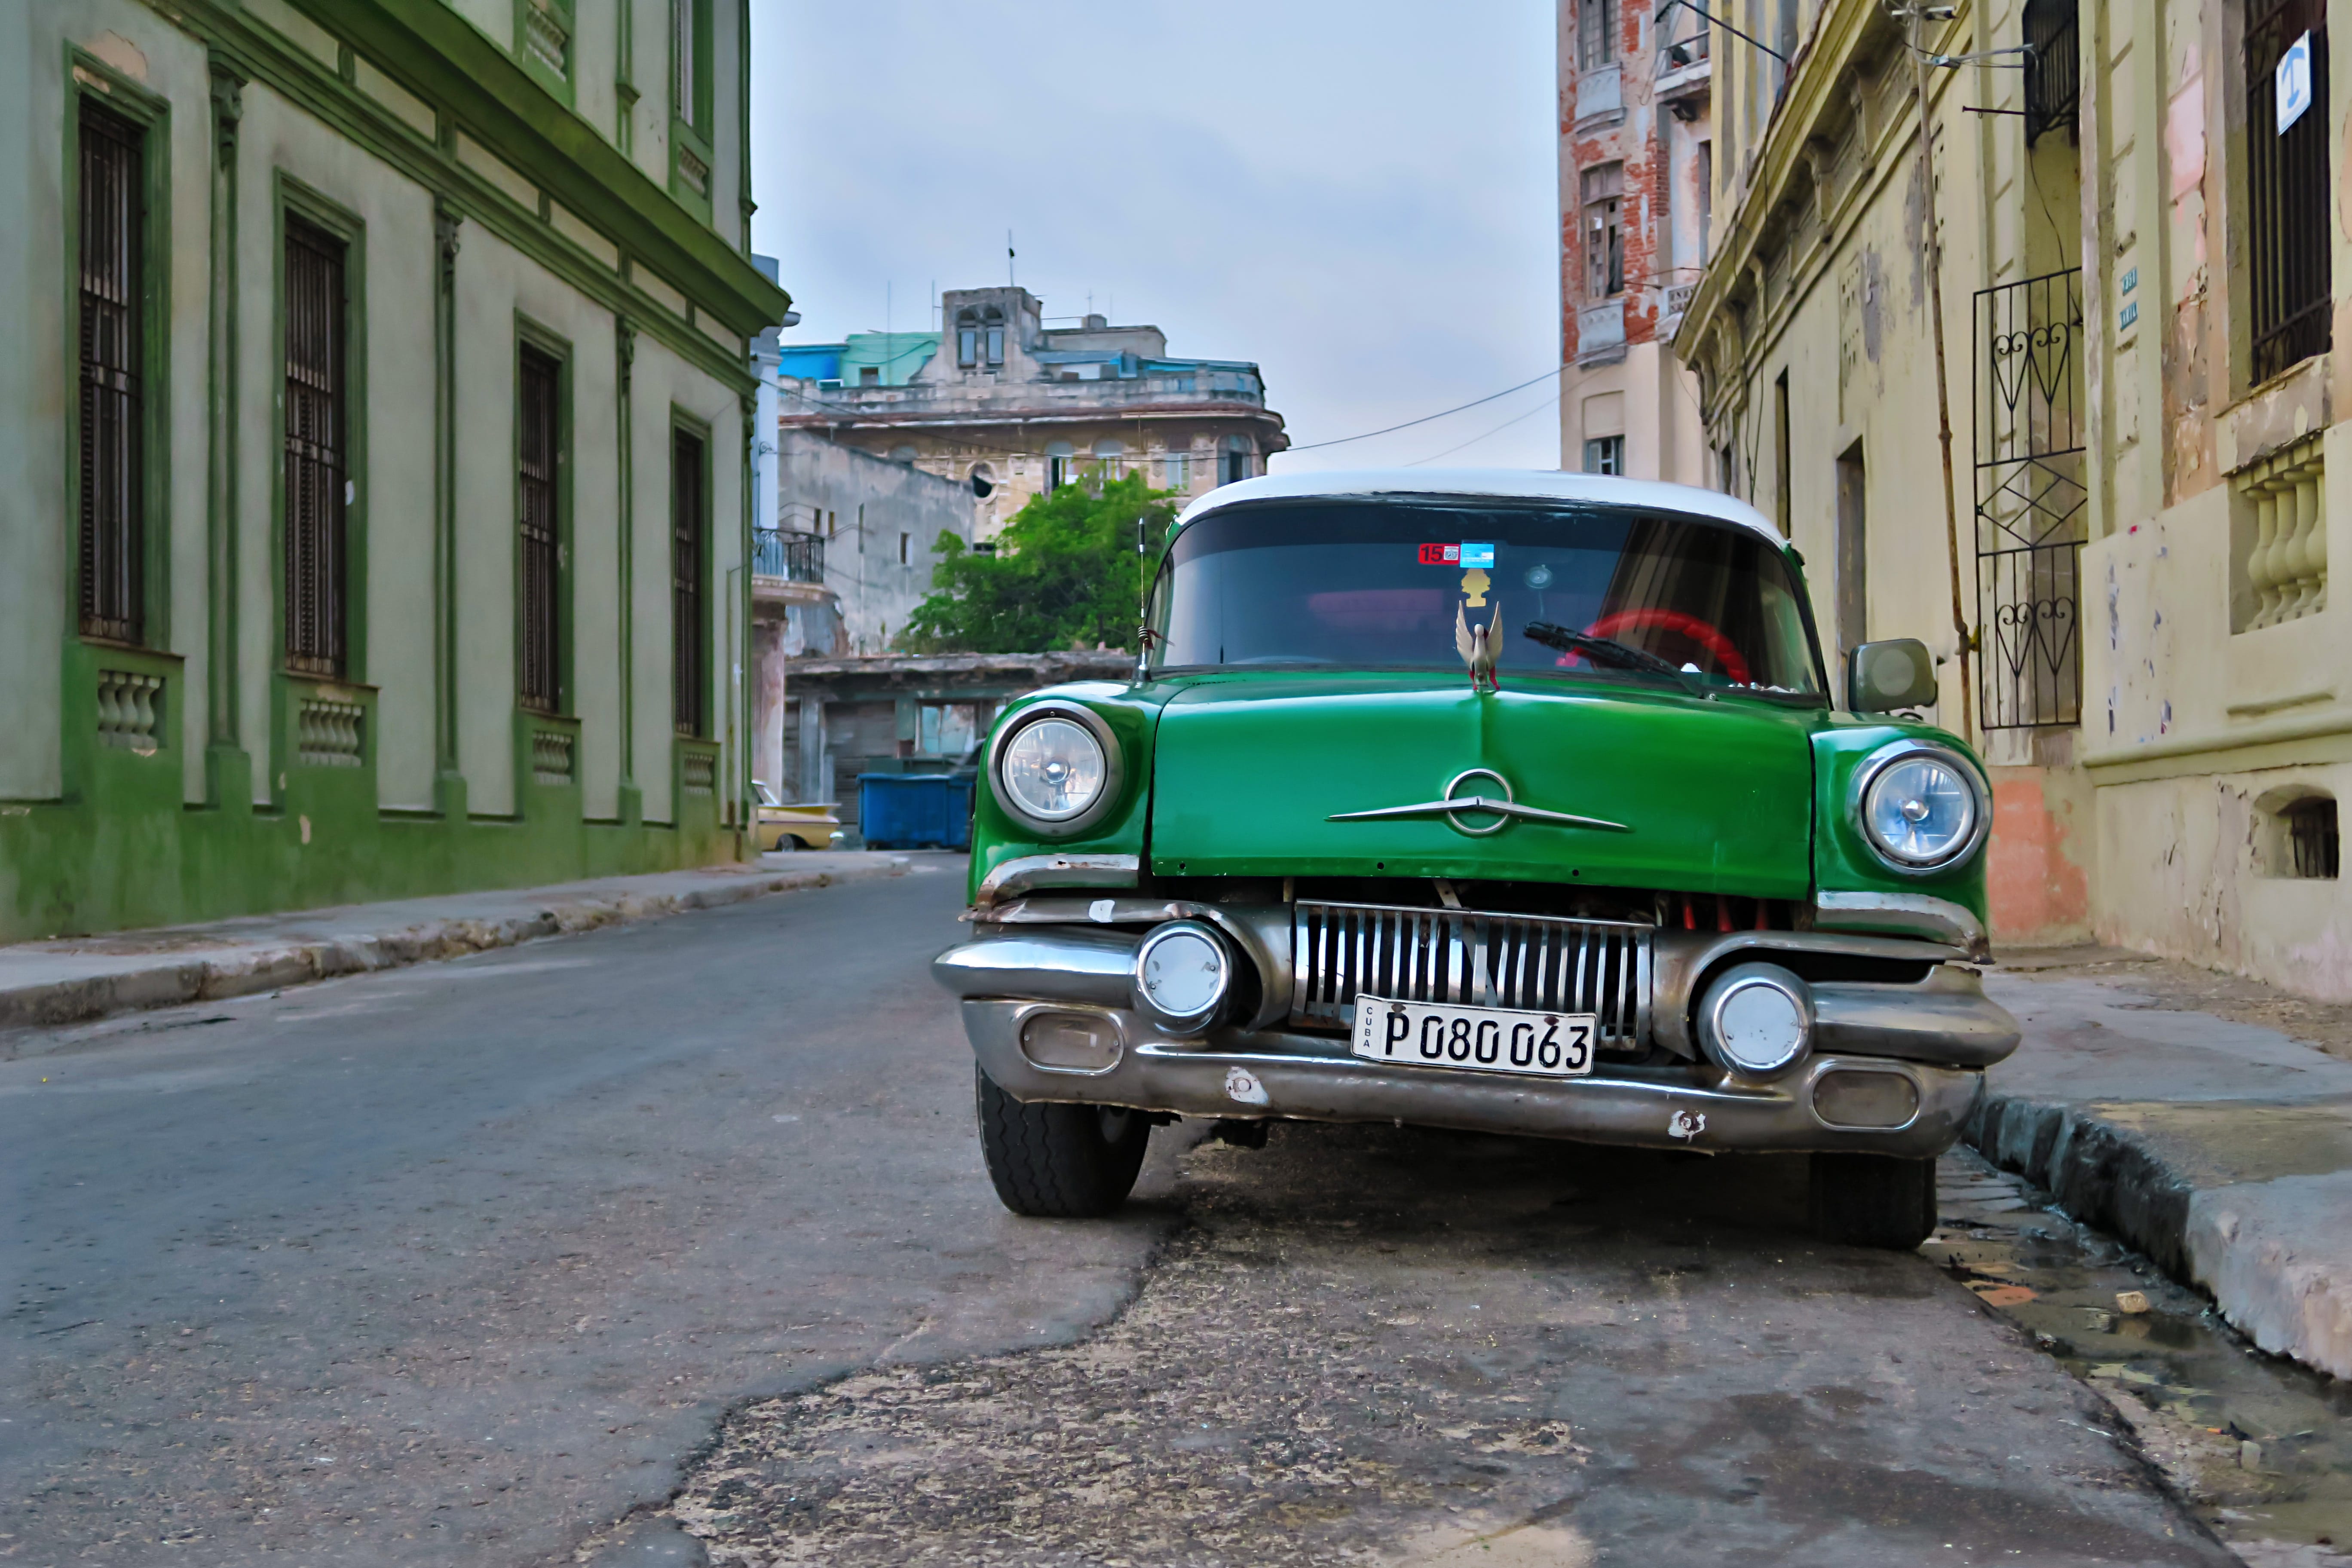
2139, 247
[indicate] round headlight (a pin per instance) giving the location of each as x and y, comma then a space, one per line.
1921, 811
1052, 769
1756, 1020
1181, 974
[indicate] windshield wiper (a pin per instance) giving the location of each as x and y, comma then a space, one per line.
1610, 651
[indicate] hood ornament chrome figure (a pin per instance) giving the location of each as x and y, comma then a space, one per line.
1479, 647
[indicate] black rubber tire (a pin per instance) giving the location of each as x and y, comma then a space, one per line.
1058, 1162
1873, 1200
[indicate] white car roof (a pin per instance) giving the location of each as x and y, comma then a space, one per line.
1516, 484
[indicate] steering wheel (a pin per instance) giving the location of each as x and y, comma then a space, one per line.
1726, 653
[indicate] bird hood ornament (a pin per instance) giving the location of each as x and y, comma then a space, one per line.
1479, 647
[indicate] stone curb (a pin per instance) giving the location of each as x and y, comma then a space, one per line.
2278, 1278
174, 982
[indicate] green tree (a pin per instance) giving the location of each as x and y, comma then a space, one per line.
1064, 575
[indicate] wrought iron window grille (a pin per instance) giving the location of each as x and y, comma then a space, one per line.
538, 567
2030, 491
2313, 839
687, 641
113, 477
2288, 195
2053, 69
317, 462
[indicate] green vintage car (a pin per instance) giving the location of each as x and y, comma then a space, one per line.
1511, 801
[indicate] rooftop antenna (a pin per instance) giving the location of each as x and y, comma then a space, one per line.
1142, 605
1008, 259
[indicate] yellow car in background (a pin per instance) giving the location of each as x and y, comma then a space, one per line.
776, 826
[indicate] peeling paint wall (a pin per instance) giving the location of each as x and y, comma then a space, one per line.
2207, 720
1614, 115
1821, 277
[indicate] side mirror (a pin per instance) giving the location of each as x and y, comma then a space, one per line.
1881, 676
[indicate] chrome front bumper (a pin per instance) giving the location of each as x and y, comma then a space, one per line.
1311, 1078
1936, 1034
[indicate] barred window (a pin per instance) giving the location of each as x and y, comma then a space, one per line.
316, 456
537, 453
1603, 188
688, 26
113, 219
1596, 34
687, 640
2312, 837
2054, 72
2289, 196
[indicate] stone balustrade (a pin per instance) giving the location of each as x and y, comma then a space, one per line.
2285, 562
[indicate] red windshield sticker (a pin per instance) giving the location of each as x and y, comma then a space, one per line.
1441, 554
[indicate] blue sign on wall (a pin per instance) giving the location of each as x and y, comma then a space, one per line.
2294, 79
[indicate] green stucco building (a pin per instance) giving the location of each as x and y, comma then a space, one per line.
374, 412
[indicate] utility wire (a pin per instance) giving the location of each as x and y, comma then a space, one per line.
1316, 446
1552, 402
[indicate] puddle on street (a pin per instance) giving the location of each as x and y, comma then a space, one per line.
2260, 1447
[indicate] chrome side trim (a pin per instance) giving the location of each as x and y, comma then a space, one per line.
1057, 870
1448, 808
1905, 914
1452, 805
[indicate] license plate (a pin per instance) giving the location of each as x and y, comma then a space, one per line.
1484, 1039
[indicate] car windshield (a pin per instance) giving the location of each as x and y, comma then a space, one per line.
1390, 584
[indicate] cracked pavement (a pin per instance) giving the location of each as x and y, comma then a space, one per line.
470, 1262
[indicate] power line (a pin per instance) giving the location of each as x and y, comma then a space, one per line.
1552, 402
1314, 445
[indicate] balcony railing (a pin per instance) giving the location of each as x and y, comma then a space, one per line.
794, 557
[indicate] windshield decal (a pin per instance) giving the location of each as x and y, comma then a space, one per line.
1477, 554
1474, 585
1440, 554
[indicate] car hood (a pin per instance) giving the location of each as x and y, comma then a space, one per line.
1713, 795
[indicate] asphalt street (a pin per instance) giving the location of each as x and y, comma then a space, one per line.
472, 1262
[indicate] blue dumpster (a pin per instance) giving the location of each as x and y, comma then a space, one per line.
913, 811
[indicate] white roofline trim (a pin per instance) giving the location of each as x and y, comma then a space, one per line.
1508, 484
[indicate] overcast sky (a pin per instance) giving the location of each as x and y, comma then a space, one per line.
1358, 194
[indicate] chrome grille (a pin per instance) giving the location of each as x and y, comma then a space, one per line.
1536, 963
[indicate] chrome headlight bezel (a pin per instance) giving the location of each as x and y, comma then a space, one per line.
1874, 767
1725, 989
1114, 768
1167, 1018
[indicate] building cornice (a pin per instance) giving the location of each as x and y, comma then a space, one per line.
1817, 100
260, 55
863, 420
438, 55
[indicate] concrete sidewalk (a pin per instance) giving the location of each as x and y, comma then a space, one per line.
72, 979
2220, 1148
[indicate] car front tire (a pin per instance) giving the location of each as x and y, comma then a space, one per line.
1873, 1200
1058, 1162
